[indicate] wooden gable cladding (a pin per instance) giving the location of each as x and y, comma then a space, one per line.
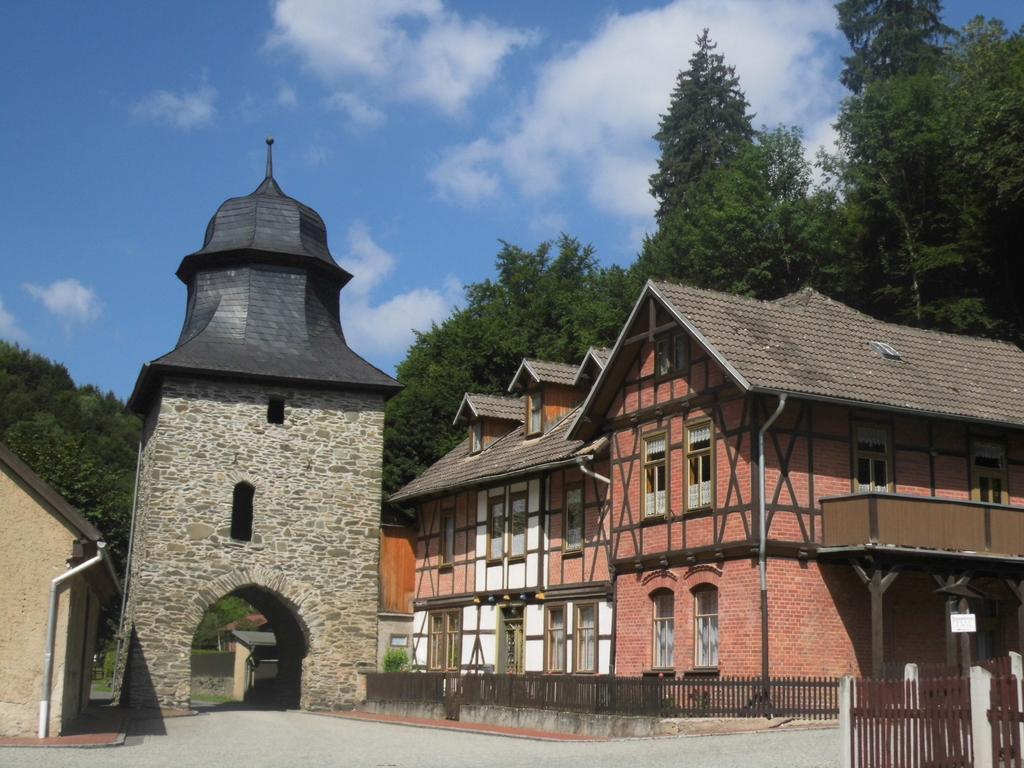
558, 401
397, 568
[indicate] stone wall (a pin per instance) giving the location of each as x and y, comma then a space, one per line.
314, 548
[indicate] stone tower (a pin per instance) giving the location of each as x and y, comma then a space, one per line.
260, 470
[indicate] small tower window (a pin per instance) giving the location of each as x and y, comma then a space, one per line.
241, 512
275, 410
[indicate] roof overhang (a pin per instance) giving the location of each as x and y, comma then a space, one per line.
524, 367
140, 400
201, 260
589, 358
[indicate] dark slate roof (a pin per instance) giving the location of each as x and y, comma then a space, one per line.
545, 372
491, 407
512, 454
807, 343
263, 303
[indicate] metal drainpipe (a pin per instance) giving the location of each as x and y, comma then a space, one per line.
51, 631
762, 546
128, 557
615, 596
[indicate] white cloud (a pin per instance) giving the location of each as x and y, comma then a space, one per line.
9, 328
592, 110
387, 327
184, 110
69, 300
316, 155
360, 114
415, 50
286, 96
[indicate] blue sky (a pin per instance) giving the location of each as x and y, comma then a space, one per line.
423, 132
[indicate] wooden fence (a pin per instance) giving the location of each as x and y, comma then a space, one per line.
1007, 721
802, 697
910, 723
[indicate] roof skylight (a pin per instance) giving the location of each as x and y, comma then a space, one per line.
885, 350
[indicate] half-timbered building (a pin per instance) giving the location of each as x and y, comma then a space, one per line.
800, 489
512, 554
795, 488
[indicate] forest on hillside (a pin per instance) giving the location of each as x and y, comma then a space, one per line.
913, 219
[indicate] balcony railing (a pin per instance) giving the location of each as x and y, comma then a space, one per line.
923, 522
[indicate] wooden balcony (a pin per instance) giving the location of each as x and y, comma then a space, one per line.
923, 522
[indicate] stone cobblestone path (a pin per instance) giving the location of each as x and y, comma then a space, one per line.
261, 739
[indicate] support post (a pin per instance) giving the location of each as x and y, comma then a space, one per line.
981, 729
965, 639
950, 637
846, 722
877, 582
1016, 586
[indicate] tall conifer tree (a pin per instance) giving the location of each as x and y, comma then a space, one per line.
889, 38
706, 124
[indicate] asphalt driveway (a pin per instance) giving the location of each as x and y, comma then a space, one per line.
275, 739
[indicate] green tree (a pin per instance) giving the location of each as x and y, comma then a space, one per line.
552, 302
754, 227
889, 38
705, 126
226, 610
79, 440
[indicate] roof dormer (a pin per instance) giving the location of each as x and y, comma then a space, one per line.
549, 390
488, 417
593, 363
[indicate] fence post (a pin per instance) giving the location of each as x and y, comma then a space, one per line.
910, 673
1017, 670
981, 729
846, 722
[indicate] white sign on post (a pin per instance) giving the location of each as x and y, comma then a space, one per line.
962, 622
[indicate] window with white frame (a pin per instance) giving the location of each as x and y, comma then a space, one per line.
663, 604
655, 473
699, 483
705, 618
872, 458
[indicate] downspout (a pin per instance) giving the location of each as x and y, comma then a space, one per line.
581, 462
762, 545
51, 631
128, 557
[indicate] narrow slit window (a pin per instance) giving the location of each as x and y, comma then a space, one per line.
654, 475
275, 410
241, 512
698, 462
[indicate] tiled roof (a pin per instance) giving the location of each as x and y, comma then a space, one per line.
510, 454
546, 372
601, 354
806, 343
595, 356
492, 407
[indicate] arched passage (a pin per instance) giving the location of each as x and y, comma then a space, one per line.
273, 672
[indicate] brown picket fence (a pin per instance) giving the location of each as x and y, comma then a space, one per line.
912, 724
1007, 722
800, 697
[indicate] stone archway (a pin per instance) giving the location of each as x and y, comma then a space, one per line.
292, 614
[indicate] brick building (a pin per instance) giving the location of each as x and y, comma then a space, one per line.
891, 494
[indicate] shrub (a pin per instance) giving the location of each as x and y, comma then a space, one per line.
395, 660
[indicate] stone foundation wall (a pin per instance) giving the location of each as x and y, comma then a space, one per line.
314, 546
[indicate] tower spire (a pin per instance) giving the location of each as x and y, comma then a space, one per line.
270, 157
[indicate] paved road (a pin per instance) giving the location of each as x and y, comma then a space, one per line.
285, 739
